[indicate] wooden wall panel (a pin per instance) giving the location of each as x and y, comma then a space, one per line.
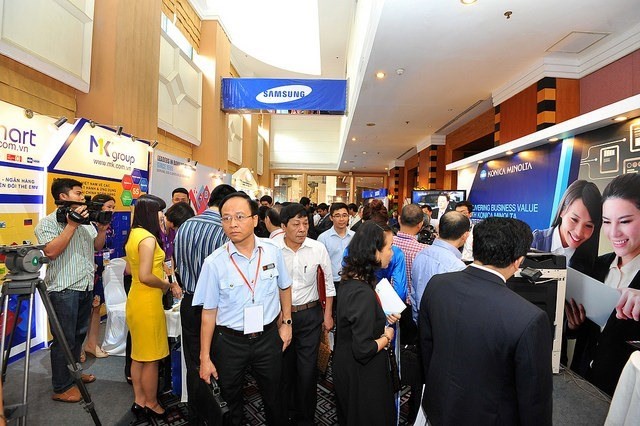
424, 164
616, 81
215, 49
124, 74
567, 99
475, 129
518, 116
28, 88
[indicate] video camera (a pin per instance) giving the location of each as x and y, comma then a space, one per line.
96, 214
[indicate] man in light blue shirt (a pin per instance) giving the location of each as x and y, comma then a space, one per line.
337, 238
245, 291
443, 256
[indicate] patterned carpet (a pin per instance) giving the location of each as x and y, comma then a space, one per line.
254, 413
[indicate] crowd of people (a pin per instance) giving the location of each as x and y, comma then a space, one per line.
259, 282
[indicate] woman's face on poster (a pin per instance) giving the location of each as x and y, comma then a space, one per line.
621, 225
577, 226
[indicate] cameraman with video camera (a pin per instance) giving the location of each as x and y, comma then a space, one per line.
69, 241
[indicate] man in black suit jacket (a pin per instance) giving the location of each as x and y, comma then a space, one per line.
486, 350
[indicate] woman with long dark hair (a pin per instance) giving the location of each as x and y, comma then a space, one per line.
145, 315
361, 363
575, 229
600, 355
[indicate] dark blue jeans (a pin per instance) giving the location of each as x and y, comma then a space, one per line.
73, 309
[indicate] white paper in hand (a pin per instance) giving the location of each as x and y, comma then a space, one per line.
391, 302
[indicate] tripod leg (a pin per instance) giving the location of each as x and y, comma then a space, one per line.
76, 370
5, 310
21, 298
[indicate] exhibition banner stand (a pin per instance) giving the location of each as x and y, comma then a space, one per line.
170, 172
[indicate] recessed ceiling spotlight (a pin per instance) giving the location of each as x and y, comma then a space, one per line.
509, 152
345, 161
353, 139
554, 139
468, 1
480, 162
400, 71
620, 118
386, 168
364, 152
380, 75
371, 124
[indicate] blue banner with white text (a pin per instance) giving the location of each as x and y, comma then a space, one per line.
521, 186
242, 94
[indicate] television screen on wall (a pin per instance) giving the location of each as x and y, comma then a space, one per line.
439, 199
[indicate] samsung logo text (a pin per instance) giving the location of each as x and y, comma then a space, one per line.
282, 94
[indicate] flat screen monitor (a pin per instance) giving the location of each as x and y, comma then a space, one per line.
438, 197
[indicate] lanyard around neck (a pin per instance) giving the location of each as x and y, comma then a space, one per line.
244, 278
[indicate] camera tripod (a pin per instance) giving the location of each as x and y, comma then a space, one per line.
23, 281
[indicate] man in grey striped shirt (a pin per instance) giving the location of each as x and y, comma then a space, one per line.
69, 279
196, 239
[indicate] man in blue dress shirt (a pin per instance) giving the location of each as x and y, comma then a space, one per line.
443, 256
245, 291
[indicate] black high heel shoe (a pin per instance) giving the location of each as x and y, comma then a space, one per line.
156, 415
138, 411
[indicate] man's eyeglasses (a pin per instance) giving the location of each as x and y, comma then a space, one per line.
238, 217
340, 216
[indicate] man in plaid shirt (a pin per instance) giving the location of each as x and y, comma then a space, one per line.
410, 224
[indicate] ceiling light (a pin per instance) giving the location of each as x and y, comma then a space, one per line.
364, 152
353, 139
380, 75
620, 118
554, 139
480, 162
345, 161
468, 1
400, 71
509, 152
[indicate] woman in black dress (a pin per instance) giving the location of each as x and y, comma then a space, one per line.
361, 362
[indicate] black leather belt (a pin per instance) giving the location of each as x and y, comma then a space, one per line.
298, 308
231, 332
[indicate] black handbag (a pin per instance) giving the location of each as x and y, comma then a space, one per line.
393, 371
221, 403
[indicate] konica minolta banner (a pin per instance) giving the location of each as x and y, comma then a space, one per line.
242, 94
524, 186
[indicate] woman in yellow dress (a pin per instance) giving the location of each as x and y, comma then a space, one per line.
145, 314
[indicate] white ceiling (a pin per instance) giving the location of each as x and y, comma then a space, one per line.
454, 57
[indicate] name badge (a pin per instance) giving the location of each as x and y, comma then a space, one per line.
253, 319
269, 266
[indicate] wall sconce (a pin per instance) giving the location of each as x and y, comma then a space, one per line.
59, 122
152, 146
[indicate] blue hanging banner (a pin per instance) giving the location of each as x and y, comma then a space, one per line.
242, 94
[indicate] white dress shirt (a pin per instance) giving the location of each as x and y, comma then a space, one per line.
302, 266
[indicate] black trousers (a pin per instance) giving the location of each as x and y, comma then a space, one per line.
233, 354
300, 371
200, 400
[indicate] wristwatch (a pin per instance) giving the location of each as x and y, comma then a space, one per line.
287, 321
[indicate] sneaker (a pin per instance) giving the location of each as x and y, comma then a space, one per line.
70, 395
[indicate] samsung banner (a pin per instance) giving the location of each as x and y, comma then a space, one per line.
242, 94
520, 186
